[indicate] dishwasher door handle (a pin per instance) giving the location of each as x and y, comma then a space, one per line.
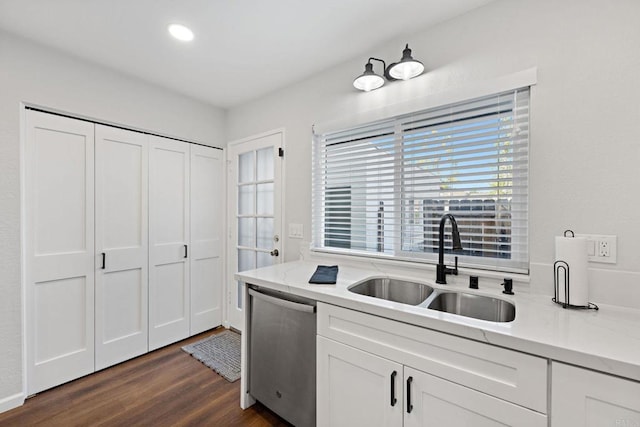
283, 302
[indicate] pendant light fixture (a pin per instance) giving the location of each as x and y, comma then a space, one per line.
407, 68
369, 80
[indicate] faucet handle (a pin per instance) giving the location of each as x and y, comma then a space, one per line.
508, 286
455, 268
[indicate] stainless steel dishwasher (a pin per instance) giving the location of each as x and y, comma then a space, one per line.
282, 354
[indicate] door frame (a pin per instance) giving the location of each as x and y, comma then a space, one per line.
229, 246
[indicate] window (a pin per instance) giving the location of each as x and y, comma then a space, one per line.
381, 188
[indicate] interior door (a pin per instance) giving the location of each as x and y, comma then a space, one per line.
168, 241
254, 212
206, 245
59, 249
122, 158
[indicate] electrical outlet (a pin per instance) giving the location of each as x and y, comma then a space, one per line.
601, 248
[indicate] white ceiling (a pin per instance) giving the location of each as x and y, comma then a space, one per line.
242, 48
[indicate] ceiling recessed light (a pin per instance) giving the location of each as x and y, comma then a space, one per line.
181, 32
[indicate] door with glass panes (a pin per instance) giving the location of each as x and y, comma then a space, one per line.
254, 180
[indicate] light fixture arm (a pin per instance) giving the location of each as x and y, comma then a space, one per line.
384, 67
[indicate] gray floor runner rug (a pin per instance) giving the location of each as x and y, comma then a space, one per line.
220, 352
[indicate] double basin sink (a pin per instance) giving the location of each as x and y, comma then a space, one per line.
461, 303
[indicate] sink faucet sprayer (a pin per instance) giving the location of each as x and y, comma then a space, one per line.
442, 270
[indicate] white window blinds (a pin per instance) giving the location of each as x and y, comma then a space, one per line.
381, 188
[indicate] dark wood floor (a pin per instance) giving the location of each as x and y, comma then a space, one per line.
166, 387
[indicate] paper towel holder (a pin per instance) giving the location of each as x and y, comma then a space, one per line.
562, 268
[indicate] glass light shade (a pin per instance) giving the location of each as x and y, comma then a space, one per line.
368, 80
367, 83
181, 32
407, 68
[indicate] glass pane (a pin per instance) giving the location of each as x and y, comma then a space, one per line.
245, 200
246, 232
265, 259
265, 233
246, 260
240, 295
245, 167
265, 199
265, 164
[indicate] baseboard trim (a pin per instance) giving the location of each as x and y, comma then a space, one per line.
11, 402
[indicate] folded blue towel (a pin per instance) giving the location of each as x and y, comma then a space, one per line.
325, 275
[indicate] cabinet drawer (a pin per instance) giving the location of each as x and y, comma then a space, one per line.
510, 375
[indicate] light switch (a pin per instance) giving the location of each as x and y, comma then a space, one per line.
296, 231
591, 248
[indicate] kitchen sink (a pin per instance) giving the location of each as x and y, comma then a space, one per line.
403, 291
476, 306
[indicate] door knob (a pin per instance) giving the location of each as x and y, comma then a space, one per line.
274, 252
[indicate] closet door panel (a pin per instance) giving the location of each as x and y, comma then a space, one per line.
169, 241
206, 229
122, 236
59, 249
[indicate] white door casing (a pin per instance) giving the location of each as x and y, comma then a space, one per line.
207, 200
122, 158
59, 249
254, 212
168, 241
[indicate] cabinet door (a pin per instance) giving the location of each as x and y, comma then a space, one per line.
207, 204
584, 398
168, 241
356, 388
121, 245
59, 249
432, 401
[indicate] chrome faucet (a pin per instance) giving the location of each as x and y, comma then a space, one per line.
442, 270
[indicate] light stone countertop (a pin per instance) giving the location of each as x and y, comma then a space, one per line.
607, 340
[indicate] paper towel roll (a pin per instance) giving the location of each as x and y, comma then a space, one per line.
573, 251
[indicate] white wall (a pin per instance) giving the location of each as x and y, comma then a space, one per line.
585, 122
33, 74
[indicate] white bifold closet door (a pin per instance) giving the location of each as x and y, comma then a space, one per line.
121, 302
206, 247
59, 249
168, 241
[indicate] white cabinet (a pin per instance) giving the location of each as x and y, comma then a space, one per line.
121, 245
59, 249
356, 388
580, 397
437, 379
433, 401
